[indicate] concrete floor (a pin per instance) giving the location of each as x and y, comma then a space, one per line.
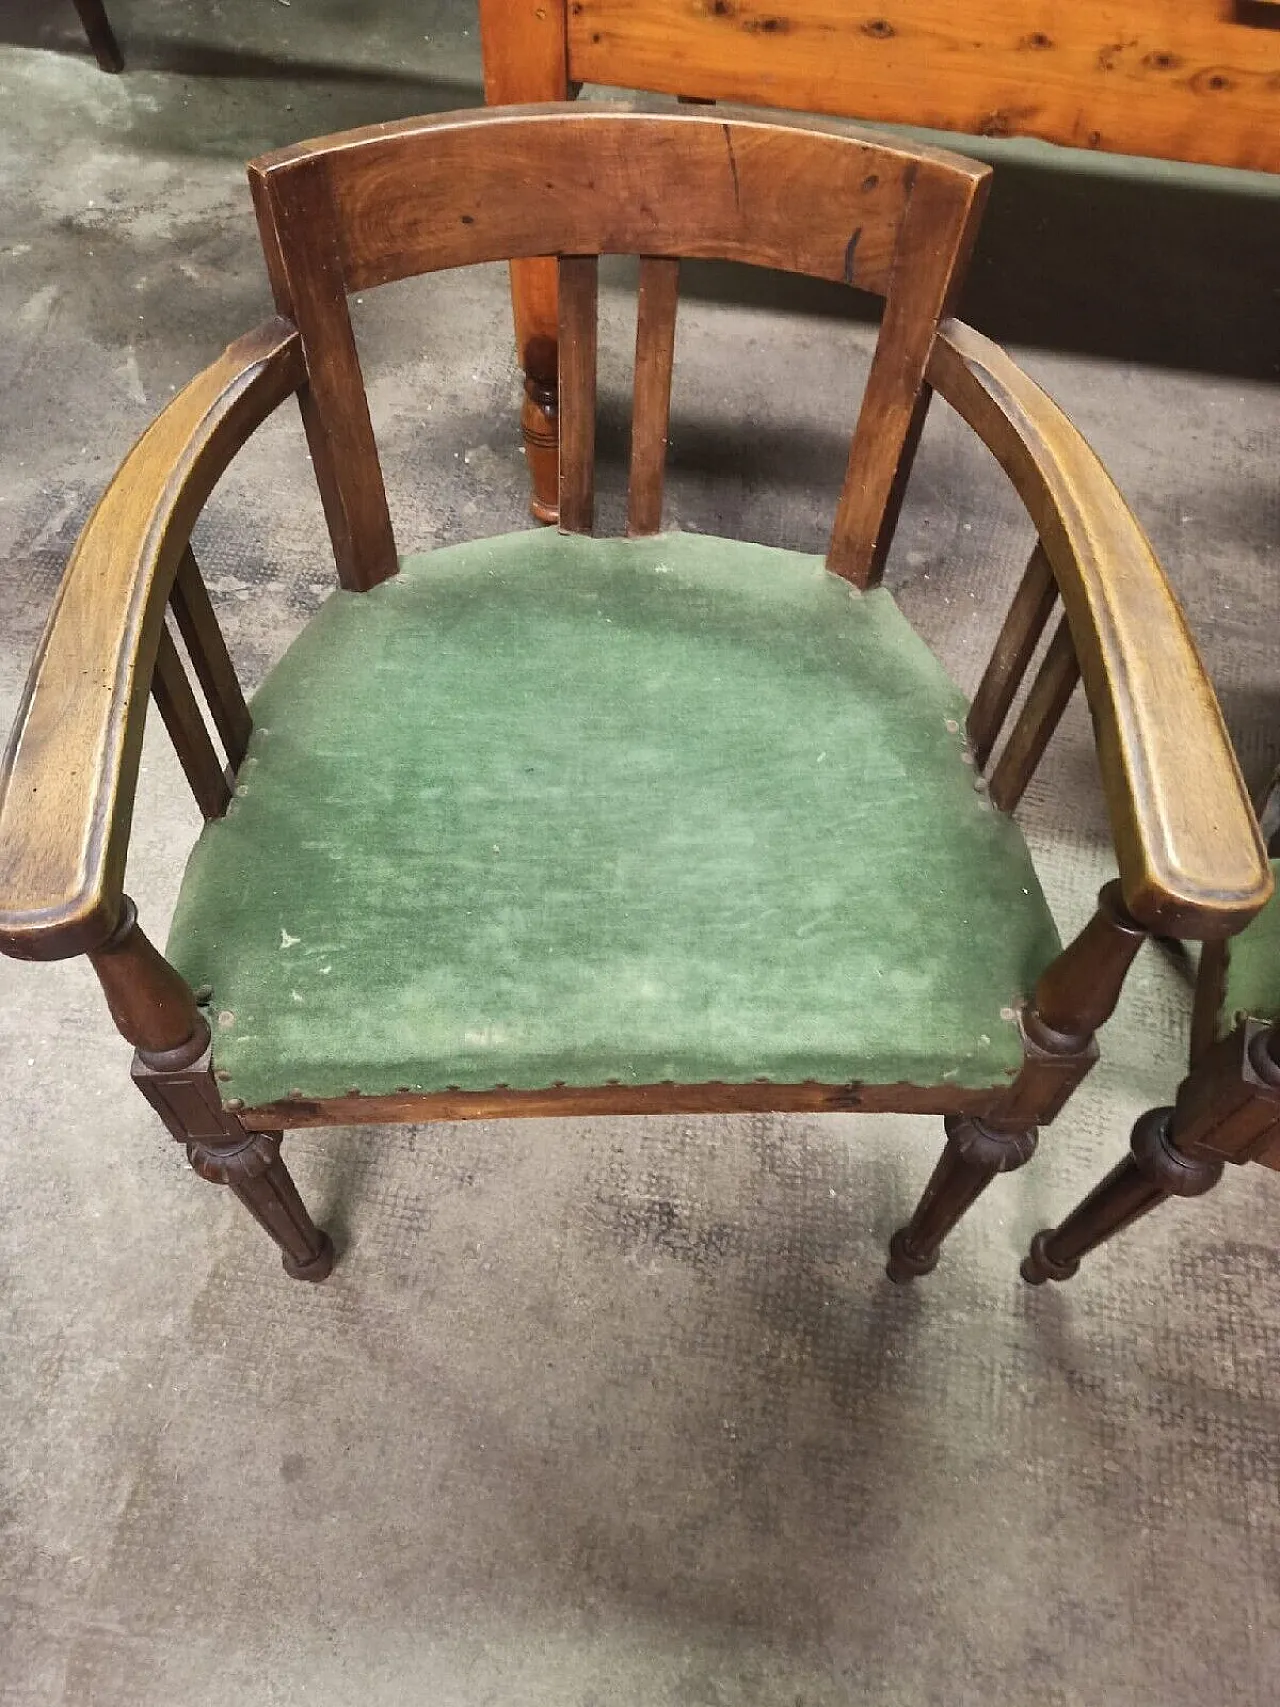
614, 1412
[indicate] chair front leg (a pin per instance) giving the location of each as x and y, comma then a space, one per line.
1076, 994
1154, 1171
1228, 1110
976, 1152
155, 1010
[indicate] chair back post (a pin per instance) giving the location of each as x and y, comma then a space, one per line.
935, 240
297, 224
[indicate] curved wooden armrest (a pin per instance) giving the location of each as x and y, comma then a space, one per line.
1191, 859
68, 775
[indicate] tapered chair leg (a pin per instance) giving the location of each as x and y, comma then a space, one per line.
106, 49
975, 1153
1154, 1170
256, 1173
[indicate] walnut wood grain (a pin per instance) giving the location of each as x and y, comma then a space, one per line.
578, 303
380, 204
657, 300
503, 183
1049, 697
1015, 645
1191, 859
178, 706
202, 637
573, 1102
1181, 79
298, 224
68, 775
935, 239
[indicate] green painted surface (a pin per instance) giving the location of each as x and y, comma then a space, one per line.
546, 809
1253, 965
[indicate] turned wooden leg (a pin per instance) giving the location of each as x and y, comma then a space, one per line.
155, 1010
1154, 1171
106, 49
253, 1168
975, 1153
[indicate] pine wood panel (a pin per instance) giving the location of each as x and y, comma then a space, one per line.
1181, 79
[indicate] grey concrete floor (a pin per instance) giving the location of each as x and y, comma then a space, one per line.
614, 1411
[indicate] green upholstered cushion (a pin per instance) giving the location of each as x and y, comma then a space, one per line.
545, 809
1253, 966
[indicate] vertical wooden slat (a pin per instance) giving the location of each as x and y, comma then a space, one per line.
210, 659
1040, 715
297, 224
934, 244
578, 292
656, 305
177, 703
1031, 608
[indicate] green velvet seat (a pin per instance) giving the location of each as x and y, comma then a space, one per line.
549, 809
1253, 966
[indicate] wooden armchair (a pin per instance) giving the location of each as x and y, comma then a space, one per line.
1227, 1109
550, 824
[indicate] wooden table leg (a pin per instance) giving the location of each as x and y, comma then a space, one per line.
526, 58
534, 298
106, 49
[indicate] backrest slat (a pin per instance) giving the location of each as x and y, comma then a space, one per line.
1040, 715
578, 292
934, 242
814, 196
202, 637
1018, 638
656, 305
181, 713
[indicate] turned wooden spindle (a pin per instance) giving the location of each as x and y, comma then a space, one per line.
1155, 1170
151, 1003
1078, 992
540, 430
155, 1010
975, 1153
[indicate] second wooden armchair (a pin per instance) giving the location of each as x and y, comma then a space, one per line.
553, 824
